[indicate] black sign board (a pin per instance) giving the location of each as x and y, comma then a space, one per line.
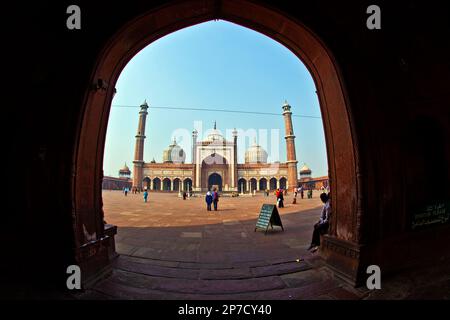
268, 216
432, 214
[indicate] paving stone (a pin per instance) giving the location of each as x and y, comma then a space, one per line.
191, 235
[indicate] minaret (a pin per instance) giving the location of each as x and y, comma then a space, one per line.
194, 158
290, 147
194, 144
139, 148
235, 161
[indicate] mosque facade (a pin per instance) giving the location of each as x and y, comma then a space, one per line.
214, 164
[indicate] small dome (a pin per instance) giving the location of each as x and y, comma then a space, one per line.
125, 172
153, 161
255, 154
305, 169
125, 169
174, 154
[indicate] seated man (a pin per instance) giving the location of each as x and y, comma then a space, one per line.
321, 227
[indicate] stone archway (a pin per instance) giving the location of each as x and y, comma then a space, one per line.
242, 185
167, 184
272, 184
253, 184
215, 181
176, 184
262, 184
341, 248
156, 184
215, 164
187, 184
146, 183
283, 183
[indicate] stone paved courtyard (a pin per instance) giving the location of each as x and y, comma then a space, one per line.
174, 249
169, 228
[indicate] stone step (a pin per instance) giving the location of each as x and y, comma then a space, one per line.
198, 271
193, 286
114, 289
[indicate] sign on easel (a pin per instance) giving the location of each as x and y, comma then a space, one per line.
268, 216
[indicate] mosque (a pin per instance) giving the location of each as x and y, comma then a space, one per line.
214, 164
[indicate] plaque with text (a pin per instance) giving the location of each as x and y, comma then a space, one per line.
432, 214
268, 216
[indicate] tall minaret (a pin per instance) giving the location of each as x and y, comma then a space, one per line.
139, 148
235, 161
194, 144
194, 160
290, 147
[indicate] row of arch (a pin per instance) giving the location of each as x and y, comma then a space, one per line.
167, 184
252, 184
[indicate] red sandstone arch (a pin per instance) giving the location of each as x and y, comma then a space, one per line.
135, 35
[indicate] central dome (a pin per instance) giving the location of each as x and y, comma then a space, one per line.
215, 135
255, 154
174, 154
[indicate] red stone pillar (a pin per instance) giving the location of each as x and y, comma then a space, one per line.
290, 147
139, 148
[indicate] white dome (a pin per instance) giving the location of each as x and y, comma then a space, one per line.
174, 154
215, 135
255, 154
305, 169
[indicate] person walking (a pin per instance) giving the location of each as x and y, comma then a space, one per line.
321, 227
209, 200
184, 195
280, 199
294, 201
125, 191
145, 195
215, 199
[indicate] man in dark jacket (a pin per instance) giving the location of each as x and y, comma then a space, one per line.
215, 199
321, 227
209, 200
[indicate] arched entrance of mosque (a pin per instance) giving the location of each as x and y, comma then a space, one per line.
187, 184
167, 185
273, 183
176, 184
253, 184
215, 182
242, 185
283, 183
156, 184
214, 166
262, 184
146, 183
341, 247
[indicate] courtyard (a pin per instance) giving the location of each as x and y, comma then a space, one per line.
172, 229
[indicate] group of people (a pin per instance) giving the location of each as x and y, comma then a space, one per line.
212, 198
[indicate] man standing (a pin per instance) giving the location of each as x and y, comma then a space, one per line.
215, 198
209, 200
321, 227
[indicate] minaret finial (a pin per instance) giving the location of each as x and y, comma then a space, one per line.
214, 124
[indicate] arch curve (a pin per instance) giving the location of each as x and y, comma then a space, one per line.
341, 143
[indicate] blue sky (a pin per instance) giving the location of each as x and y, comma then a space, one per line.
215, 65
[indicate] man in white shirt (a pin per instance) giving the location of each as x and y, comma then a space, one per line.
321, 227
